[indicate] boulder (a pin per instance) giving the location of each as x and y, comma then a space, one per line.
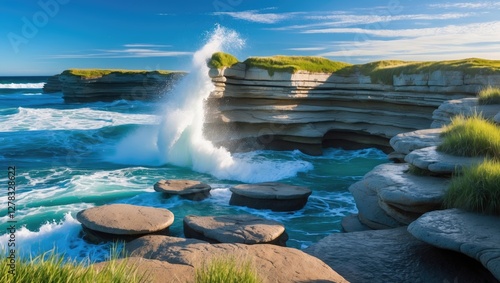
274, 196
351, 223
408, 192
439, 162
189, 189
155, 271
394, 255
272, 263
465, 106
239, 228
123, 221
473, 234
369, 211
408, 142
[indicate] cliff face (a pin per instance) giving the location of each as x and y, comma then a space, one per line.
252, 109
113, 86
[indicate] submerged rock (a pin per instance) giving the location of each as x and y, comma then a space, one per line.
274, 196
271, 263
394, 255
125, 221
243, 228
473, 234
189, 189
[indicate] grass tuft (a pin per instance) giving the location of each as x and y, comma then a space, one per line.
50, 267
221, 59
471, 136
489, 95
226, 270
476, 189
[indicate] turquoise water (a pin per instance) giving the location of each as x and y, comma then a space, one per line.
65, 159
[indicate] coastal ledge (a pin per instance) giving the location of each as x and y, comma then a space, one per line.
308, 103
86, 85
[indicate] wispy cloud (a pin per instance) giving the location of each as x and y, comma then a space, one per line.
343, 19
307, 48
133, 45
451, 42
130, 51
256, 16
466, 5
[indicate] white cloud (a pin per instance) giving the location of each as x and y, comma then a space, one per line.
451, 42
130, 51
343, 19
307, 48
256, 17
146, 45
466, 5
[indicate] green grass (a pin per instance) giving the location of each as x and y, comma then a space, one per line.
471, 136
97, 73
379, 71
292, 64
226, 270
50, 267
476, 189
489, 95
221, 59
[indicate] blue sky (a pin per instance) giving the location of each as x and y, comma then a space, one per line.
45, 37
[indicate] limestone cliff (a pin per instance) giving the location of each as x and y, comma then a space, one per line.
109, 85
254, 108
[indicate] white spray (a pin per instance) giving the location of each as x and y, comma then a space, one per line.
179, 138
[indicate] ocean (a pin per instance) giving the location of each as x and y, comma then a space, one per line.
72, 156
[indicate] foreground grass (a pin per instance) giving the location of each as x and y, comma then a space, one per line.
97, 73
226, 270
50, 267
489, 95
471, 136
477, 189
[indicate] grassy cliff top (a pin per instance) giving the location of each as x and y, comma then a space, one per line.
379, 71
96, 73
292, 64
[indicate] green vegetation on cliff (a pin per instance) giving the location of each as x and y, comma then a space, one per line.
97, 73
489, 95
379, 71
476, 189
221, 59
471, 136
228, 270
292, 64
50, 267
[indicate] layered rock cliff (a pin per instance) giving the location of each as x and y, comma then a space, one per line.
255, 108
108, 85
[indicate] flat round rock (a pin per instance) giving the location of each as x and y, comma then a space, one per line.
240, 228
125, 219
271, 190
181, 187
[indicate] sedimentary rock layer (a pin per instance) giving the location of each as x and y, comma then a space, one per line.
251, 108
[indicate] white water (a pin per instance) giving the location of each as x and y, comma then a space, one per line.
179, 138
22, 86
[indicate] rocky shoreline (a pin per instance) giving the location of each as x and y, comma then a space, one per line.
401, 233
